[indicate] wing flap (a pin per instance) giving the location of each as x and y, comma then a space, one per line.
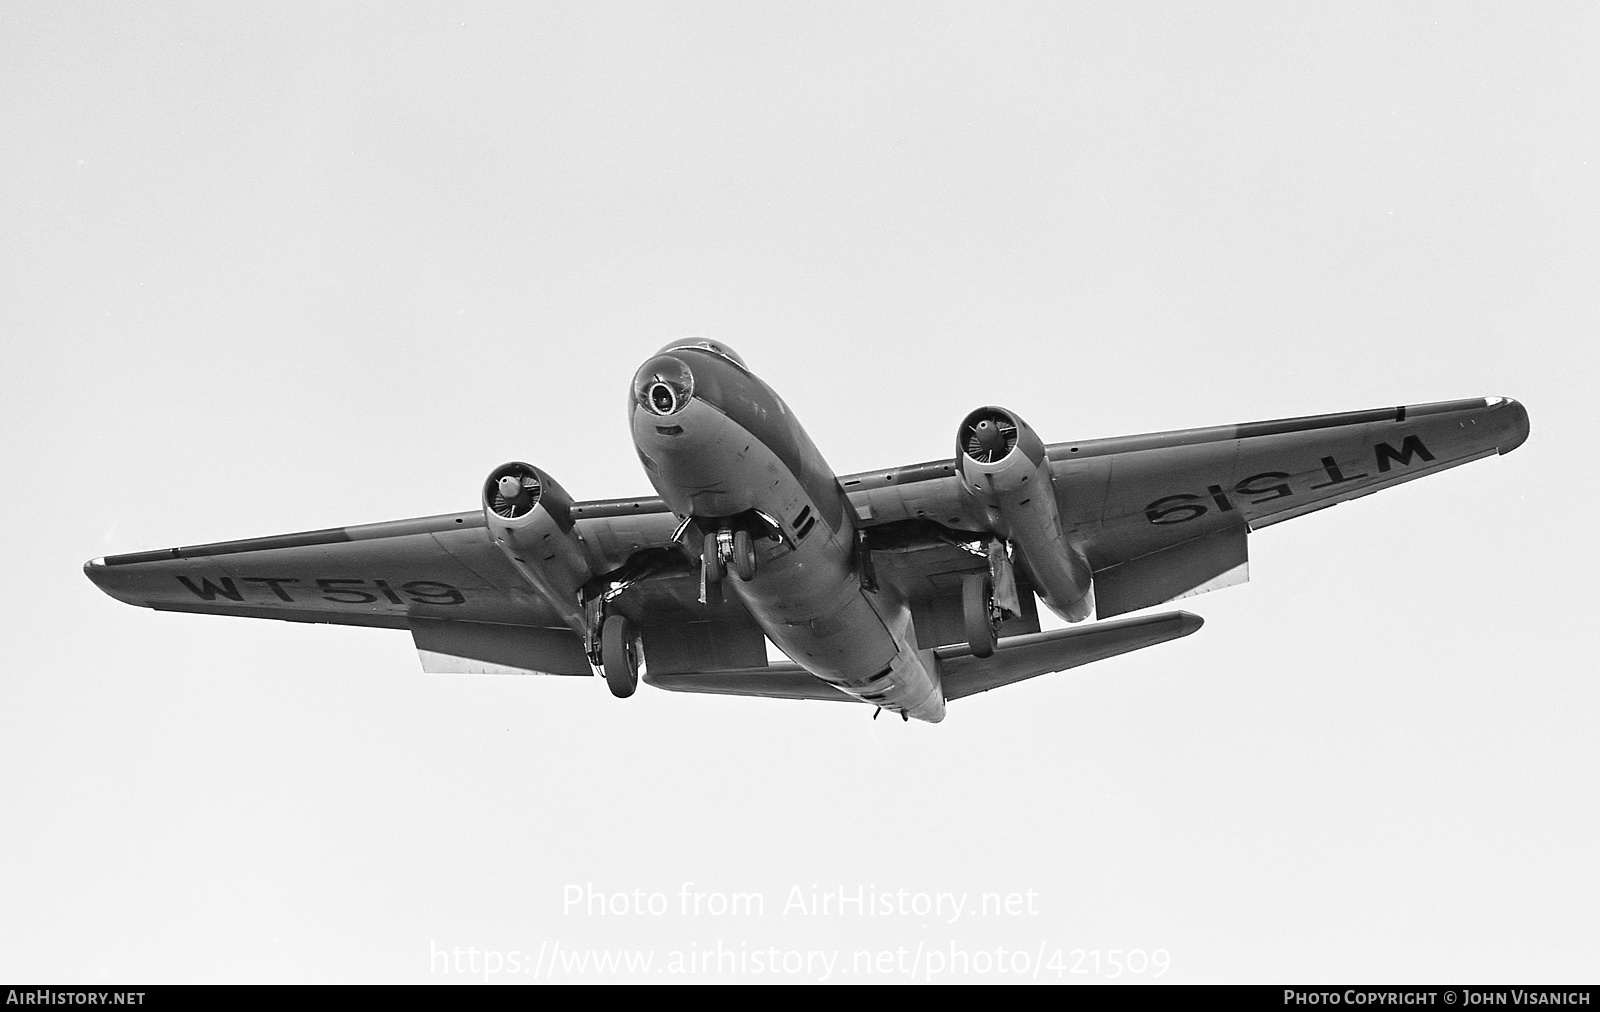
1209, 562
452, 647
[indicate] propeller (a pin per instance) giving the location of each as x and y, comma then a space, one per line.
514, 495
989, 436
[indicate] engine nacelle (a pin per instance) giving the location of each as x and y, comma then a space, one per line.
530, 519
1005, 471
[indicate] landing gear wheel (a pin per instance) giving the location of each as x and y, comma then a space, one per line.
711, 560
744, 556
977, 614
619, 656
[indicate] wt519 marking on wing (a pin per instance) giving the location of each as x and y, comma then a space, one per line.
1266, 486
336, 590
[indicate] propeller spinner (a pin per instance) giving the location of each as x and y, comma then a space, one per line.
988, 437
515, 494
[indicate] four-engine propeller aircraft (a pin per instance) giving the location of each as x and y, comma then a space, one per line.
903, 588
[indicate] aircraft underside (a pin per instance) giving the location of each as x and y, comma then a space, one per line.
902, 588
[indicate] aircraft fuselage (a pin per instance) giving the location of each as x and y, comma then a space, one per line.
722, 448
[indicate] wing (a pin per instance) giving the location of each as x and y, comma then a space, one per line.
1158, 516
1165, 515
445, 580
384, 574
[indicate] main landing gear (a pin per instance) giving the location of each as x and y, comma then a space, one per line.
613, 640
988, 599
724, 551
619, 655
979, 615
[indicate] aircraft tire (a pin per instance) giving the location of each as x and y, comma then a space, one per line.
711, 560
975, 615
618, 656
744, 556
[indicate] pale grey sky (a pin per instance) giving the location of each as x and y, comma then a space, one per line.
254, 257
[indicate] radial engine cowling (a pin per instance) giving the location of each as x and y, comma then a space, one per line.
530, 519
1006, 473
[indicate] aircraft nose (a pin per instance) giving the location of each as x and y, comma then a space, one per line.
664, 385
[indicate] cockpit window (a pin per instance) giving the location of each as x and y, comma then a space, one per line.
716, 348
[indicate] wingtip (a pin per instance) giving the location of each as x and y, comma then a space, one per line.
1189, 622
1516, 417
96, 571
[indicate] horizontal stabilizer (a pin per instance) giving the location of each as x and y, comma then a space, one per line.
1020, 657
776, 681
1015, 658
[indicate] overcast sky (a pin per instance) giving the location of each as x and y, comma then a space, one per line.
282, 267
